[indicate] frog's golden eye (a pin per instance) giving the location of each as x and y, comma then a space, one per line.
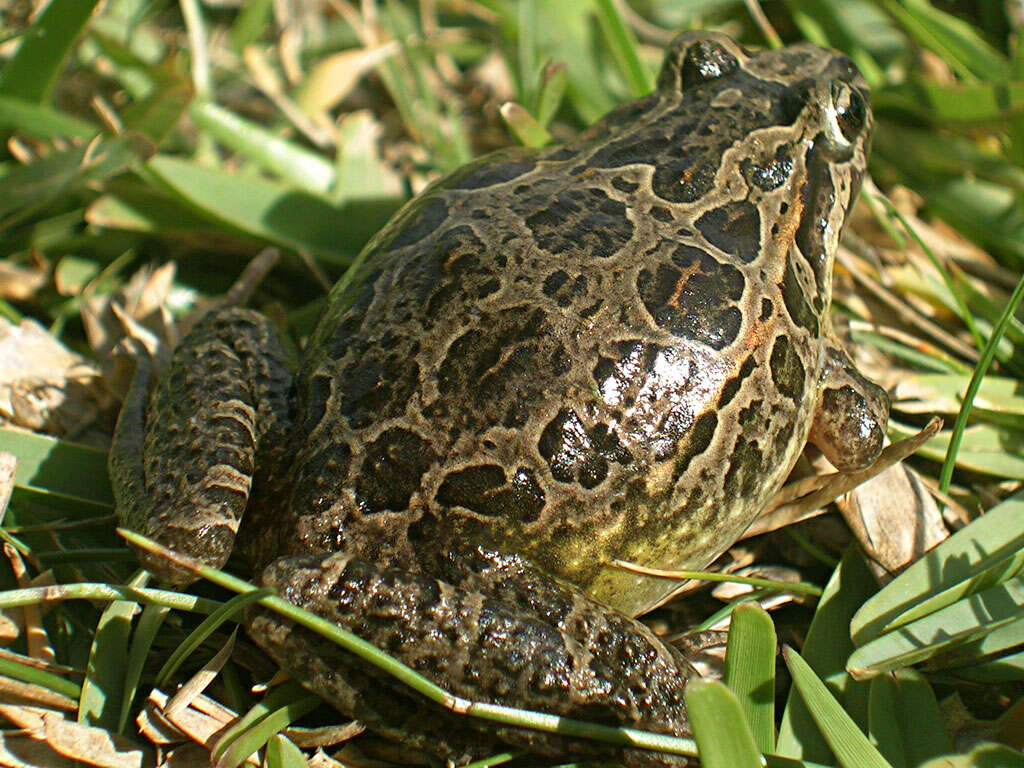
845, 115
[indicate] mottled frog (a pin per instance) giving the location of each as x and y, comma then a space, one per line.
550, 359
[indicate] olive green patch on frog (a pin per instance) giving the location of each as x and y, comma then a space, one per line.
549, 360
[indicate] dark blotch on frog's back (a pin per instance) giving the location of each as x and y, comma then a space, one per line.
735, 228
486, 490
377, 386
745, 469
769, 174
563, 288
488, 374
787, 370
316, 487
694, 296
583, 220
488, 174
733, 384
391, 470
577, 454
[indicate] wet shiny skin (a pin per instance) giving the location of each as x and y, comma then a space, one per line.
551, 359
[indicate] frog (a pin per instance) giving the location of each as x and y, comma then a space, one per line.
551, 360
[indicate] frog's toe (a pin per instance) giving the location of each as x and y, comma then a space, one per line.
849, 426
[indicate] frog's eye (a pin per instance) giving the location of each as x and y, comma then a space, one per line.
845, 115
697, 57
706, 60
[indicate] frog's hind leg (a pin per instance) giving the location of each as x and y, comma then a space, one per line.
849, 426
492, 629
182, 471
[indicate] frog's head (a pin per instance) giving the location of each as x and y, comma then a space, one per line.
817, 88
796, 125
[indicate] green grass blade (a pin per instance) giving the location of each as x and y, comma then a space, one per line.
963, 621
146, 629
281, 753
722, 734
850, 746
32, 72
524, 126
209, 625
292, 163
987, 355
955, 41
623, 45
41, 121
905, 721
58, 472
250, 23
826, 649
35, 676
983, 448
103, 688
279, 707
276, 212
552, 92
750, 670
965, 555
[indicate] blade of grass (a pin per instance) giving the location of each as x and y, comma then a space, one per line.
306, 170
277, 697
963, 621
209, 625
103, 688
61, 473
967, 554
722, 734
41, 121
987, 355
826, 649
31, 72
279, 213
750, 670
850, 746
146, 629
623, 45
40, 677
905, 721
954, 40
281, 753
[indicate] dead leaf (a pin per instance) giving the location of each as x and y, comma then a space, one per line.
44, 386
18, 283
94, 746
894, 517
334, 77
18, 751
200, 680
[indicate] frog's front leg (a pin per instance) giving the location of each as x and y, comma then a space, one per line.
489, 628
182, 470
849, 426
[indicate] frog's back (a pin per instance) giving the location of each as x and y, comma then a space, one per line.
599, 351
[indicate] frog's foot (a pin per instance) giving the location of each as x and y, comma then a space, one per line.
508, 634
849, 426
182, 472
